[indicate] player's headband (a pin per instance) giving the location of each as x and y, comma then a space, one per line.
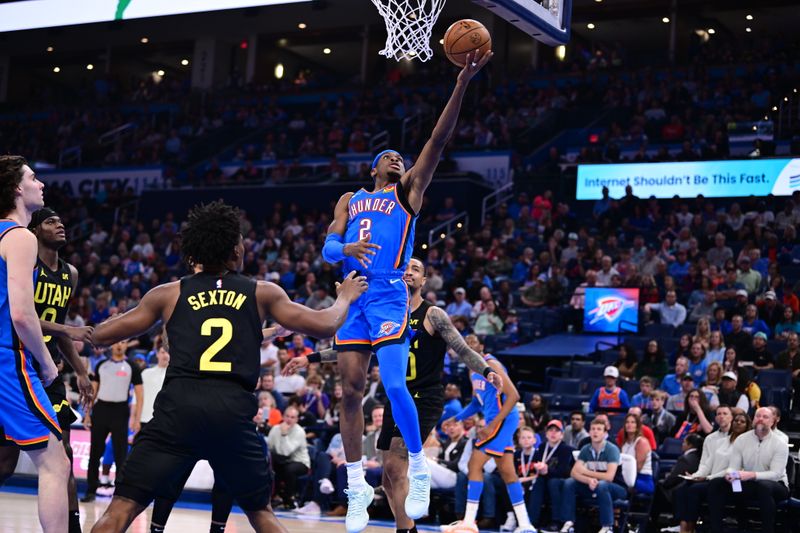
40, 216
378, 157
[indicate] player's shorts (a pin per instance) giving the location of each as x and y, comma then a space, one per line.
27, 416
379, 317
502, 440
430, 406
196, 419
57, 393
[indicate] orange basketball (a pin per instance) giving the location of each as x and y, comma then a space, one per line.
464, 36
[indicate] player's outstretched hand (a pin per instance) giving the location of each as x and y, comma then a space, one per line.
80, 333
86, 392
294, 364
352, 286
475, 62
495, 379
361, 251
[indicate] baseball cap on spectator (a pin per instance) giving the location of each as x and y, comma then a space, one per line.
744, 259
460, 290
572, 236
760, 335
730, 375
741, 292
770, 295
542, 277
687, 376
555, 423
611, 372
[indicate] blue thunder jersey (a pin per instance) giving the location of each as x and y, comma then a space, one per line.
386, 218
489, 397
8, 338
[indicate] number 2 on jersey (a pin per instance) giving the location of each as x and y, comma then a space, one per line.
364, 226
206, 360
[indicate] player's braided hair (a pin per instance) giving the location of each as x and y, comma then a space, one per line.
10, 177
210, 234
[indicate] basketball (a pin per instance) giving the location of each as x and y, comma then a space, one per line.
463, 37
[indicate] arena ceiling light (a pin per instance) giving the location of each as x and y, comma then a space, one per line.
326, 51
144, 40
749, 17
56, 69
184, 62
89, 67
711, 31
591, 26
50, 48
279, 71
665, 20
748, 30
302, 25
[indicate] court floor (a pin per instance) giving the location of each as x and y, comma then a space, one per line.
18, 515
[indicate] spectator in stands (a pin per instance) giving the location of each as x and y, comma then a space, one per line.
727, 290
749, 388
750, 278
606, 272
716, 348
609, 397
268, 384
738, 338
770, 311
644, 398
676, 401
523, 266
575, 432
654, 362
454, 447
535, 294
320, 299
684, 348
729, 395
638, 446
602, 205
752, 324
268, 415
702, 332
460, 306
315, 401
719, 322
660, 420
787, 325
647, 432
287, 444
714, 462
671, 383
740, 303
713, 378
687, 464
697, 363
626, 361
670, 311
757, 467
694, 418
488, 321
720, 253
776, 421
552, 464
539, 417
761, 358
593, 477
789, 359
299, 347
373, 465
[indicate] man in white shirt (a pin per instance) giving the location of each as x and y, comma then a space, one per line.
606, 272
671, 312
152, 381
269, 357
756, 474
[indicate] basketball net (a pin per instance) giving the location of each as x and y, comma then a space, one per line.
408, 27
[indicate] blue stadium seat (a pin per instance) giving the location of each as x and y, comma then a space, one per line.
565, 386
670, 448
659, 331
774, 379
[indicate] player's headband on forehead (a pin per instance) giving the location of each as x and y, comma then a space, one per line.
40, 216
378, 157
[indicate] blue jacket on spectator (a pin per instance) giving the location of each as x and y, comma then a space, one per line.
671, 384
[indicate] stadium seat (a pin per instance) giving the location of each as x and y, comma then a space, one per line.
659, 331
670, 448
565, 386
584, 371
774, 379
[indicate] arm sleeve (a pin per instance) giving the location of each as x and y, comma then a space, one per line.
333, 251
136, 375
472, 407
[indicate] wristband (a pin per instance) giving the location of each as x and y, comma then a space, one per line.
333, 250
315, 357
486, 371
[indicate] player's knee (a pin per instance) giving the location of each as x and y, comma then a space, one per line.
353, 388
395, 388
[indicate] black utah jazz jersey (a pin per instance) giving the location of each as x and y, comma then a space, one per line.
51, 296
426, 355
215, 330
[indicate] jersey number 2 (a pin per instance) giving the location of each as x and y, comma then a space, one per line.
206, 360
364, 226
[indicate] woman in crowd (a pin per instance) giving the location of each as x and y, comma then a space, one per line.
488, 322
695, 415
637, 446
703, 332
627, 361
538, 411
716, 347
788, 324
654, 362
731, 361
713, 378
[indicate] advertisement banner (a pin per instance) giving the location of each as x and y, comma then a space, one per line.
606, 309
712, 179
78, 182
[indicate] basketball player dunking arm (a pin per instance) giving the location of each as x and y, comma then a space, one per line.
55, 284
206, 407
27, 418
373, 232
434, 333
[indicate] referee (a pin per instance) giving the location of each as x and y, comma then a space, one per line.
112, 380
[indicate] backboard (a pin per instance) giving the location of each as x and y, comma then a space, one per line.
547, 21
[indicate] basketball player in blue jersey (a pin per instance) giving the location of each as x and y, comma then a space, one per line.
27, 417
495, 441
373, 232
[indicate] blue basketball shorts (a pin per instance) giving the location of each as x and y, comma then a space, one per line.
27, 416
379, 317
502, 440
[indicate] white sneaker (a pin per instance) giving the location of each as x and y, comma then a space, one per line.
325, 486
568, 527
606, 529
419, 495
511, 522
459, 526
525, 529
671, 529
357, 503
309, 509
